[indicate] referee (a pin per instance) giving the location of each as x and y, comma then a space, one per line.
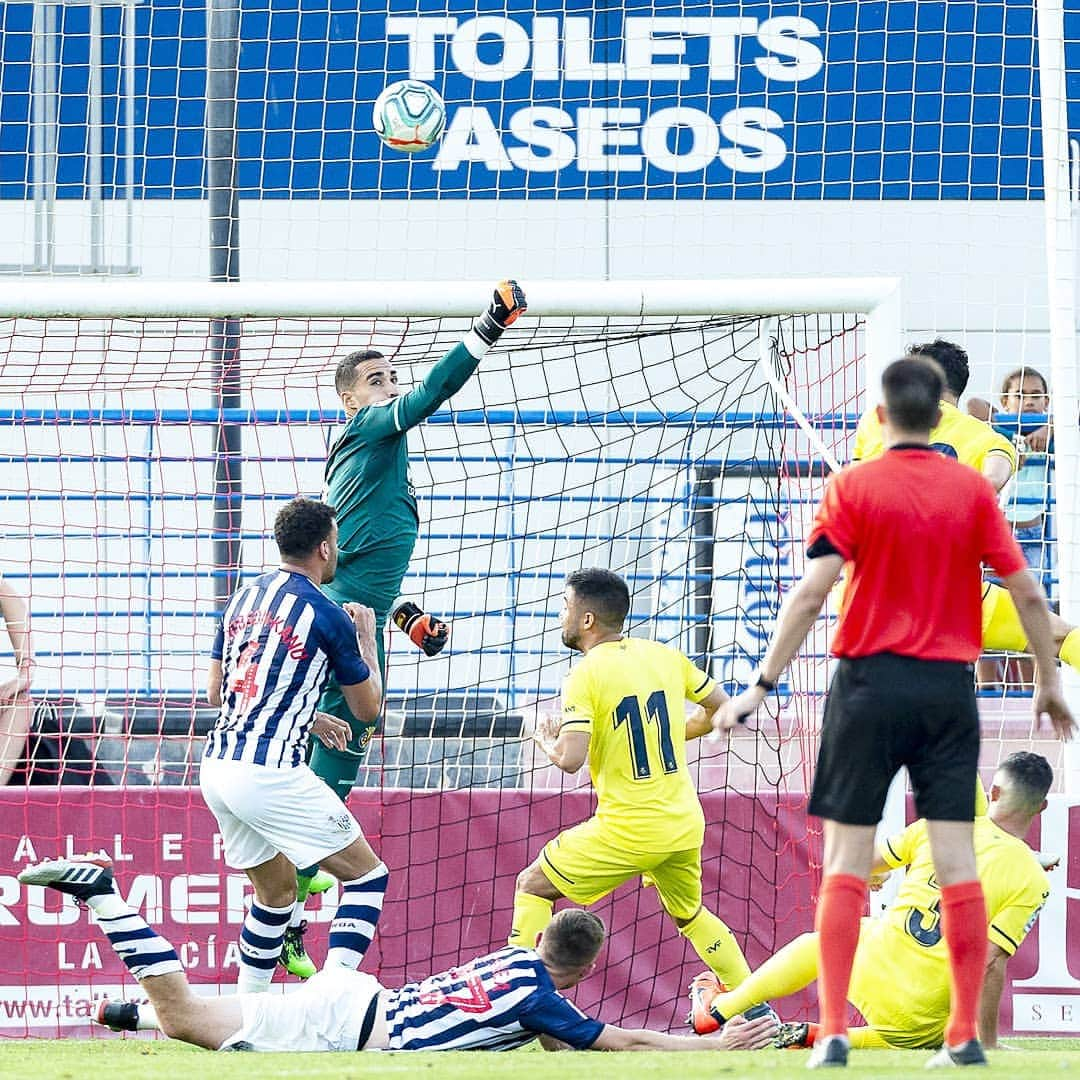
916, 527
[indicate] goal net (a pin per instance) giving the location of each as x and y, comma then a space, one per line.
657, 444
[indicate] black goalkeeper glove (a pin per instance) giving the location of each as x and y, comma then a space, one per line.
506, 305
427, 634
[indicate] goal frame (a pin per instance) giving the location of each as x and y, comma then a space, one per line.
878, 298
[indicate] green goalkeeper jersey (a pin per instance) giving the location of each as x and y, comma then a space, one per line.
367, 471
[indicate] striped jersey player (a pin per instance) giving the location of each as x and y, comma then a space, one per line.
279, 641
496, 1002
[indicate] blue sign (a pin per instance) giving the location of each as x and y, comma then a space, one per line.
568, 99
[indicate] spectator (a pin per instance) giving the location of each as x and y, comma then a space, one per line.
1024, 392
15, 706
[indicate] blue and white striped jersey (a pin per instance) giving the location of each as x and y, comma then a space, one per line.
496, 1002
279, 641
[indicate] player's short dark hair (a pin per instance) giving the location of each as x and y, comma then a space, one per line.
952, 359
912, 390
573, 939
1018, 376
301, 526
604, 593
1030, 776
345, 375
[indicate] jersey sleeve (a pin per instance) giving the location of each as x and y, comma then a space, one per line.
339, 644
444, 380
547, 1012
1000, 549
996, 444
1012, 922
577, 703
834, 519
217, 650
697, 684
899, 850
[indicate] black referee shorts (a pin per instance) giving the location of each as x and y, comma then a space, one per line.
886, 711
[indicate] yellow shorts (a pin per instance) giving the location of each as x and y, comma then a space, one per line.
1001, 629
585, 865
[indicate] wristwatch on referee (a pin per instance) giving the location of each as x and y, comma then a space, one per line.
764, 683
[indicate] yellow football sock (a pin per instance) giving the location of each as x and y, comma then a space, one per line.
788, 971
1070, 648
531, 916
867, 1038
1001, 623
716, 945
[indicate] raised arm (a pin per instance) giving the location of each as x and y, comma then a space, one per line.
451, 373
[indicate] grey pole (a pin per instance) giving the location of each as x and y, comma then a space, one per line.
37, 129
223, 56
94, 143
129, 134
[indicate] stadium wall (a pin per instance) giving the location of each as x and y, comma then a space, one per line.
453, 858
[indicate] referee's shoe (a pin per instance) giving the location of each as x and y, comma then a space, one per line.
829, 1053
969, 1053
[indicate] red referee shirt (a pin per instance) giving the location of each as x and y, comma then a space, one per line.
916, 527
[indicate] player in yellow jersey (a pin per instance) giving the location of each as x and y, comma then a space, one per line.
900, 978
623, 708
974, 443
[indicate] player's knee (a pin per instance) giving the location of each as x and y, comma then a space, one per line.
277, 895
531, 880
682, 921
176, 1022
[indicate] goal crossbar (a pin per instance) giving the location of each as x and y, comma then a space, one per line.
337, 299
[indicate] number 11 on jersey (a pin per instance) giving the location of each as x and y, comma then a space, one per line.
629, 712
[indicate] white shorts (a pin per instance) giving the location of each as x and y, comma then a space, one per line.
262, 811
326, 1013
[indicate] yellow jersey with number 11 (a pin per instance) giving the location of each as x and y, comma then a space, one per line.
629, 697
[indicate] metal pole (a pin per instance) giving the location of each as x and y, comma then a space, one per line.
37, 129
223, 55
52, 118
703, 528
129, 133
93, 143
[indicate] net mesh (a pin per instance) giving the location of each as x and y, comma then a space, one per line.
654, 447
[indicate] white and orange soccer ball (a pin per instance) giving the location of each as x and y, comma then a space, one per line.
409, 116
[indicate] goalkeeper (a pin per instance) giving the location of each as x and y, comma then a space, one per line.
367, 483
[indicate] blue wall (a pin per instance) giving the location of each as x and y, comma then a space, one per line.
909, 100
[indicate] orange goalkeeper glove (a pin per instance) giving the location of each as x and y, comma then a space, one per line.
427, 634
507, 304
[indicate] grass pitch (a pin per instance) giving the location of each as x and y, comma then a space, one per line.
128, 1059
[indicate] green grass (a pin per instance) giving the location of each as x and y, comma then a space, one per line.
100, 1059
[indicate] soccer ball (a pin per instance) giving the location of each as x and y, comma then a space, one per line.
409, 116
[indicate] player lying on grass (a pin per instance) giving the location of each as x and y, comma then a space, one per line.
496, 1002
975, 443
367, 482
623, 708
900, 979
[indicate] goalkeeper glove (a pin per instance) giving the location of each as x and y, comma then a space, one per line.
507, 304
427, 634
